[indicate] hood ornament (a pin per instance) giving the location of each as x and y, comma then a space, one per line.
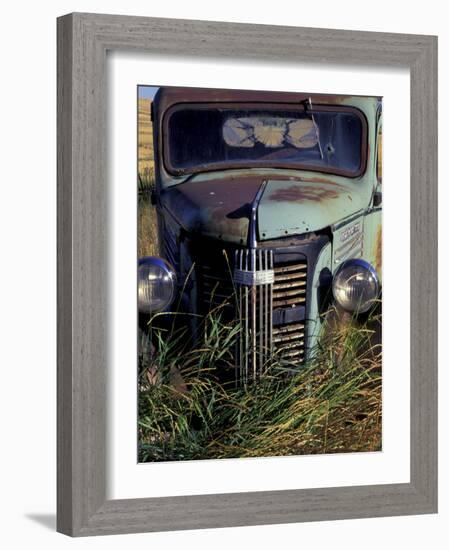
253, 271
252, 231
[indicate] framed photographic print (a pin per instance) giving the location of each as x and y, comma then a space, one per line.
246, 274
266, 210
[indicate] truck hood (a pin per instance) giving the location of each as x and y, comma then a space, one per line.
291, 207
220, 207
216, 208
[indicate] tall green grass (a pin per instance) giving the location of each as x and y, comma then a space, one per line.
331, 403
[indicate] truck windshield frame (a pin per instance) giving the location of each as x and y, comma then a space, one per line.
184, 137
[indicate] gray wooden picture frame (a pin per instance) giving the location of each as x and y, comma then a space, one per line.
83, 41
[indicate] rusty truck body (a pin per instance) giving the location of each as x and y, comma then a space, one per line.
273, 198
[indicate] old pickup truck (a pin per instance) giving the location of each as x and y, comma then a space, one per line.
269, 204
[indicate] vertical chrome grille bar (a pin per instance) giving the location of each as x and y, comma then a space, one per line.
270, 309
265, 321
238, 344
261, 309
253, 318
261, 327
246, 311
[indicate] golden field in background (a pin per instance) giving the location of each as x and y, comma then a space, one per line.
147, 235
145, 139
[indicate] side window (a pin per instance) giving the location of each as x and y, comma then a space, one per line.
379, 155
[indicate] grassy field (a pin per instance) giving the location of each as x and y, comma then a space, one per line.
331, 404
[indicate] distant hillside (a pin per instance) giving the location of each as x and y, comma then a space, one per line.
145, 133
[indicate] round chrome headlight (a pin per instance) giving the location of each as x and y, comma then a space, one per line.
156, 284
355, 285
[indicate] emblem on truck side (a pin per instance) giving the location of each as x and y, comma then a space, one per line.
349, 232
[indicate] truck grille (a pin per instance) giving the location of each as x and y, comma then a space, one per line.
254, 277
289, 284
216, 290
289, 291
264, 294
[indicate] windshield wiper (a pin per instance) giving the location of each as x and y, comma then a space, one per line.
309, 107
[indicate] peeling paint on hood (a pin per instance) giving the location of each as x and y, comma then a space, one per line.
217, 208
294, 207
220, 207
